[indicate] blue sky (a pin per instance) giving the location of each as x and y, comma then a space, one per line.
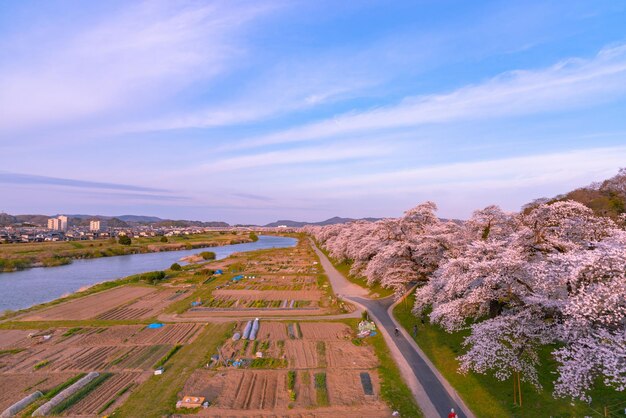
264, 110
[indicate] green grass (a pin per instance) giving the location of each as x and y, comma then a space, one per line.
321, 391
321, 353
487, 396
268, 363
57, 389
25, 255
158, 395
167, 356
10, 351
41, 364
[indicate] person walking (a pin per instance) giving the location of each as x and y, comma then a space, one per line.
415, 330
452, 414
396, 331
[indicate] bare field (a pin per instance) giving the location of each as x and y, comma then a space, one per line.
89, 306
344, 354
16, 386
146, 306
325, 331
13, 338
301, 354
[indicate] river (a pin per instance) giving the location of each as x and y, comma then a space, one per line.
21, 289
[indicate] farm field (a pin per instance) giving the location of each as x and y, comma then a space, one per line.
290, 368
296, 367
279, 282
25, 255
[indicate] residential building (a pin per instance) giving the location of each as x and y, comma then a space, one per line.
54, 224
63, 223
94, 226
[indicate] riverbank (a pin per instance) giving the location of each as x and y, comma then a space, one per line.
29, 288
14, 257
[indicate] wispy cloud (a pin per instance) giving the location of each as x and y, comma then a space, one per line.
141, 55
566, 85
30, 179
320, 154
504, 173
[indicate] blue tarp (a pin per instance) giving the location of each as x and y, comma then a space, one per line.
155, 325
237, 278
219, 272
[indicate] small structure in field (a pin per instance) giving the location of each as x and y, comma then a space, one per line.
159, 371
190, 402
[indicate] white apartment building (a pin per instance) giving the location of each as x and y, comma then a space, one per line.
94, 226
58, 224
54, 224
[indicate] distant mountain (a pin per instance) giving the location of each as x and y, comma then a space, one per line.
139, 219
6, 219
121, 221
330, 221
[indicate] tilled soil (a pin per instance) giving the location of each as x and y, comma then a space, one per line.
89, 306
324, 331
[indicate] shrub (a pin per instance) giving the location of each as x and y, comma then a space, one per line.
124, 240
176, 267
163, 239
207, 255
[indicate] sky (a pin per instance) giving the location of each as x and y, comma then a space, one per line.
253, 111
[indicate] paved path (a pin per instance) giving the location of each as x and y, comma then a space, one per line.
434, 395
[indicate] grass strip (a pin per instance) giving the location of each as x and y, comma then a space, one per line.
321, 391
11, 351
167, 356
158, 395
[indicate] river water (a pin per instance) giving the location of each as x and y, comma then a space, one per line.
21, 289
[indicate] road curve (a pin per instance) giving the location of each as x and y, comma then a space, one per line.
434, 395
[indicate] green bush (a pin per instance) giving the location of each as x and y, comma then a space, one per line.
176, 267
124, 240
163, 239
207, 255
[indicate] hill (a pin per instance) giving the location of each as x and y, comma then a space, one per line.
605, 198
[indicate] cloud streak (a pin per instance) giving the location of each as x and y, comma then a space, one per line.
140, 55
30, 179
566, 85
504, 173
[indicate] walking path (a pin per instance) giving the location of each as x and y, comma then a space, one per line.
432, 392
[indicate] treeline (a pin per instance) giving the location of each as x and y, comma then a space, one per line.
552, 276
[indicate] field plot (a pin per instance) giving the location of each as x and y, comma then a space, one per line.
325, 331
13, 338
345, 388
254, 390
16, 386
344, 354
89, 306
268, 294
108, 395
302, 354
146, 306
292, 369
168, 334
